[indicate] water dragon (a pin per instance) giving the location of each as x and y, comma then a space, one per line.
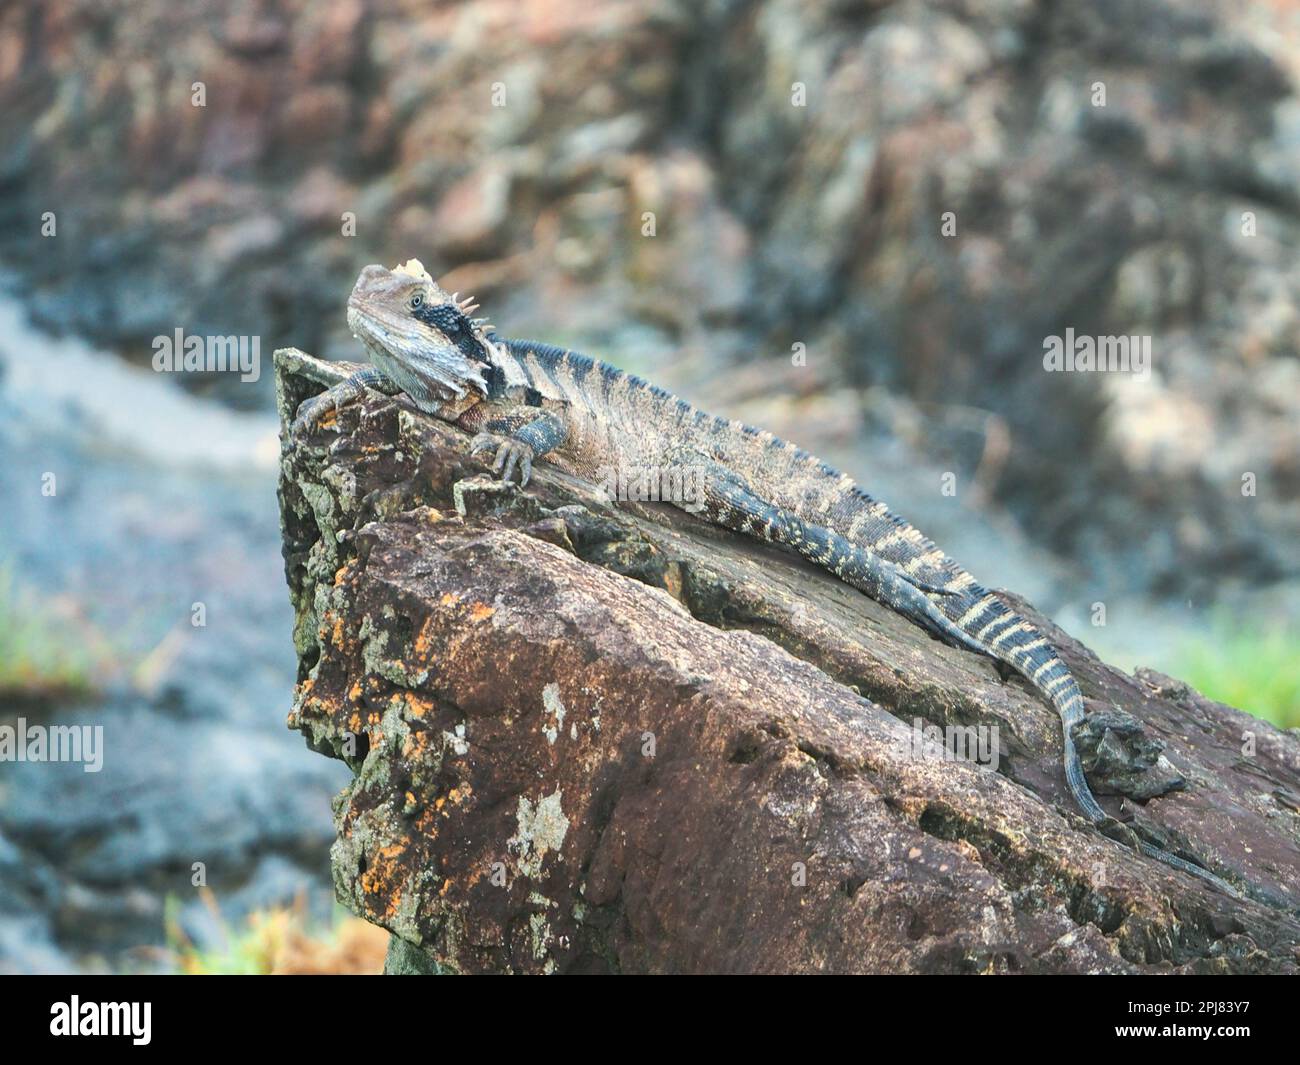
526, 400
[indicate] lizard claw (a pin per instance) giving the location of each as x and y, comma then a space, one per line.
310, 411
510, 454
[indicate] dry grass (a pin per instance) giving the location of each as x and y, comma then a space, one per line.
283, 942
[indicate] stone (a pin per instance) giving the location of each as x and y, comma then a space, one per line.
648, 745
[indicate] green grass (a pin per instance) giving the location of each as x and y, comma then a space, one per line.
1254, 670
41, 656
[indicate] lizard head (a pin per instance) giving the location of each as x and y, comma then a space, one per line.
418, 335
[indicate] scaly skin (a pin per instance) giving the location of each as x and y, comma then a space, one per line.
525, 400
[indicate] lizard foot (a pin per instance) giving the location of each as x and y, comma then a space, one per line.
310, 411
334, 398
1121, 759
509, 455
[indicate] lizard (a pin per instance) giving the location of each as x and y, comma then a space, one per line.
526, 400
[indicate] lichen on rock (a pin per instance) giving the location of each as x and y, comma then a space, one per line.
590, 738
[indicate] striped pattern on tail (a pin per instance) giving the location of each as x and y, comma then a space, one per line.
1009, 638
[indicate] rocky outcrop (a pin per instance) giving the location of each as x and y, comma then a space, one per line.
713, 180
614, 739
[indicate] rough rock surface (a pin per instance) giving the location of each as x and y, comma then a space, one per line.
1170, 210
589, 738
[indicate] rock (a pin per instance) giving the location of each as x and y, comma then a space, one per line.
598, 739
471, 214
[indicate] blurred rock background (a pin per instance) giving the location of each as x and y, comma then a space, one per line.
742, 199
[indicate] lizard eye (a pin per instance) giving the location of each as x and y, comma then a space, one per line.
417, 301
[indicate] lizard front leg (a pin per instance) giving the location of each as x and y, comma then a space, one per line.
520, 437
310, 411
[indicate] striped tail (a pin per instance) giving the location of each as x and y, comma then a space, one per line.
1009, 638
1013, 640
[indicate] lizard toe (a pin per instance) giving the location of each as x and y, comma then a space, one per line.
512, 455
309, 413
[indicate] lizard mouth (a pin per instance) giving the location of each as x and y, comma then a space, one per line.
420, 363
357, 320
368, 330
373, 331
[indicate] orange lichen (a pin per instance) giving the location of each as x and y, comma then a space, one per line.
419, 706
378, 880
308, 702
480, 611
422, 638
